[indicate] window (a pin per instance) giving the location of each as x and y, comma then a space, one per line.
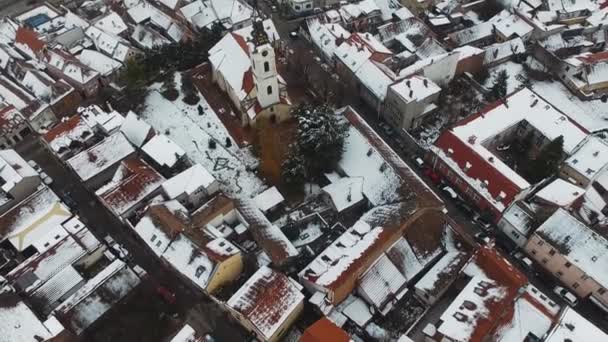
568, 264
308, 6
158, 243
266, 67
533, 252
515, 234
153, 238
297, 7
545, 260
601, 291
552, 251
540, 242
199, 271
559, 273
269, 90
575, 286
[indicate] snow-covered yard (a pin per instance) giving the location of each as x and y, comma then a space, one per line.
515, 72
183, 124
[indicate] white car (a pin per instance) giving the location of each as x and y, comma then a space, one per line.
450, 192
566, 295
34, 165
46, 179
524, 260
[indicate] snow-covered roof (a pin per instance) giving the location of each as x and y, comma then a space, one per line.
89, 163
578, 244
357, 311
230, 57
499, 51
163, 150
415, 88
111, 23
13, 169
574, 327
169, 3
522, 106
442, 273
99, 62
382, 284
268, 199
33, 218
468, 51
518, 218
46, 297
374, 79
590, 157
267, 300
42, 18
472, 34
404, 257
371, 42
73, 20
560, 193
135, 129
345, 192
148, 38
390, 7
188, 259
133, 181
19, 323
97, 296
160, 225
511, 25
232, 12
67, 131
108, 122
70, 66
325, 36
187, 334
353, 55
188, 181
527, 319
13, 94
10, 119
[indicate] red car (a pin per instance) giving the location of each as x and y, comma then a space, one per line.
435, 178
166, 294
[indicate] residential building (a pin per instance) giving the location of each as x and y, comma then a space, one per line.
267, 304
69, 137
410, 102
20, 324
191, 187
324, 330
133, 184
166, 156
63, 65
38, 113
586, 162
575, 254
572, 326
96, 165
18, 179
468, 154
13, 126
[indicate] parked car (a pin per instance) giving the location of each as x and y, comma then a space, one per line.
566, 295
67, 199
419, 162
166, 294
482, 238
450, 192
293, 35
46, 179
524, 261
34, 165
482, 222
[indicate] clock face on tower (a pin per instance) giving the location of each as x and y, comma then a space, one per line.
264, 53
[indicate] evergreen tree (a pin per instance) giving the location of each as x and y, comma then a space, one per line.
319, 143
548, 160
168, 89
134, 74
189, 90
499, 88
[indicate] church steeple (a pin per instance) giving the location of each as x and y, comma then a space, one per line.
264, 67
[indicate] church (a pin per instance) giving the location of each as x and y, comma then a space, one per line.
244, 66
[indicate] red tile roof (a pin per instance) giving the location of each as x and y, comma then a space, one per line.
595, 58
138, 181
241, 41
62, 128
248, 82
29, 38
324, 330
10, 119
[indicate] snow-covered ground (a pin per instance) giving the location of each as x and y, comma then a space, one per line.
191, 131
515, 72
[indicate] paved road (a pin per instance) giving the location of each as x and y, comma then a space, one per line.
101, 223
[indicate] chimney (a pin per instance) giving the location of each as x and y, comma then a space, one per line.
407, 83
411, 93
426, 83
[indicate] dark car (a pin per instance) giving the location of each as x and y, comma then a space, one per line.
166, 294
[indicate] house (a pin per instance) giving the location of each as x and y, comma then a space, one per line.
69, 137
324, 330
105, 122
573, 252
558, 194
479, 35
244, 66
133, 183
438, 279
43, 18
107, 288
326, 37
200, 14
136, 130
409, 102
107, 67
96, 165
269, 200
168, 157
500, 52
572, 326
179, 240
145, 14
18, 179
496, 303
63, 65
62, 98
344, 194
382, 285
39, 114
586, 162
28, 42
470, 59
232, 14
300, 7
468, 154
35, 223
13, 126
191, 187
20, 324
510, 26
518, 222
267, 304
109, 44
363, 16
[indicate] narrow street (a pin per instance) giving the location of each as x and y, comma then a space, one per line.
102, 223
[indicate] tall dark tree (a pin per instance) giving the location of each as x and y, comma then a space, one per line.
499, 88
548, 160
169, 90
319, 141
294, 169
189, 90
